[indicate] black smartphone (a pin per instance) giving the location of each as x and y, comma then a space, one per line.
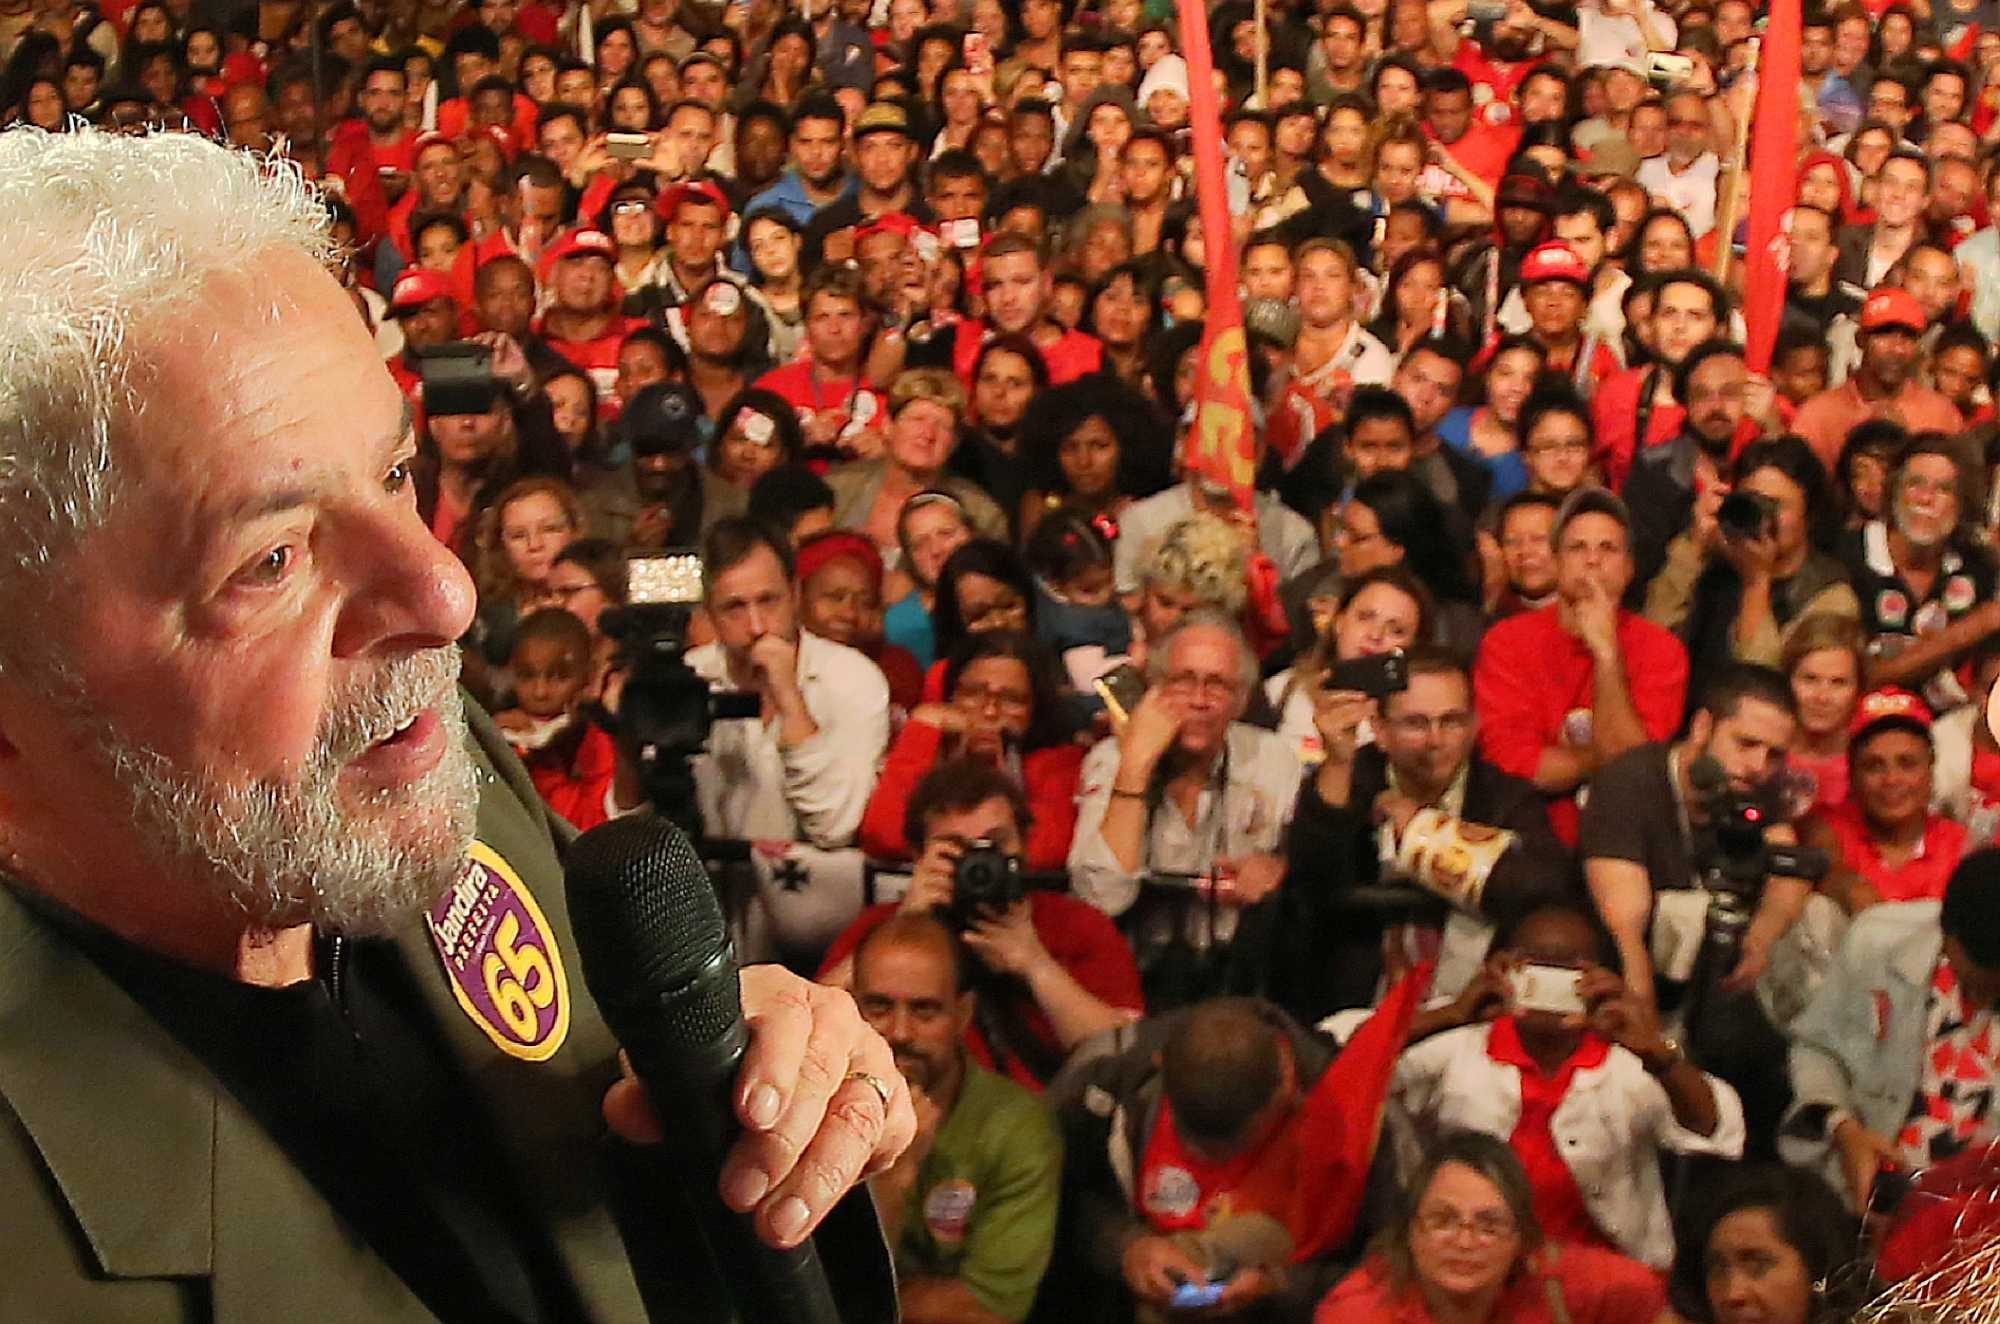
1121, 688
1377, 676
458, 378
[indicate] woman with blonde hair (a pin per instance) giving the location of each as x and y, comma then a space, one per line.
1825, 660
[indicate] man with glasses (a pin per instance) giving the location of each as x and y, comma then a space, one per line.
1395, 810
1186, 790
1926, 587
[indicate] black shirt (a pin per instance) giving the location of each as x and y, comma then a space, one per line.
349, 1075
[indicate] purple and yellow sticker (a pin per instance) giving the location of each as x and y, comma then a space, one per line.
500, 952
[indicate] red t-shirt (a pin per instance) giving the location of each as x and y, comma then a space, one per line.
853, 403
575, 784
1532, 674
1484, 150
1595, 1287
1559, 1205
1614, 416
1074, 355
1920, 878
1080, 937
599, 357
1503, 76
1048, 776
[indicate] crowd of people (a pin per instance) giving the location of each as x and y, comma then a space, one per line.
1574, 763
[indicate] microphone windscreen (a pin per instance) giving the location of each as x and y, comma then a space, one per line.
648, 924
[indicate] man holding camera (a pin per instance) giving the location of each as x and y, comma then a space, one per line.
1051, 971
1444, 819
1675, 889
1713, 387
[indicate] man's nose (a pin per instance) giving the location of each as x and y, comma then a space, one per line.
404, 588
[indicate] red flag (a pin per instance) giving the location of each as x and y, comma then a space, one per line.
1221, 445
1773, 164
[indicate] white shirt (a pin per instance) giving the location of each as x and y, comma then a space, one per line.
1609, 1127
1255, 810
749, 786
1691, 192
1603, 38
1282, 533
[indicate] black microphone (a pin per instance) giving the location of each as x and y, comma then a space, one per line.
658, 960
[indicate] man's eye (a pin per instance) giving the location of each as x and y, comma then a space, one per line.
397, 478
271, 567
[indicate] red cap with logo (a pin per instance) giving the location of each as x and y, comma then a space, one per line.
1894, 306
1887, 707
418, 287
698, 190
890, 222
1554, 260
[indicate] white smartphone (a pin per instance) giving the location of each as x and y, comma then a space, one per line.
628, 146
1550, 988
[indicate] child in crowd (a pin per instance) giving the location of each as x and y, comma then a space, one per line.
571, 758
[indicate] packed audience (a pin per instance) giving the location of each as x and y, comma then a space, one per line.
1534, 863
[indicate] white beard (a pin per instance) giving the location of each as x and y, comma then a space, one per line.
291, 852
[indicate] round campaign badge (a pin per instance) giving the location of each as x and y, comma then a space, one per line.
1958, 594
1892, 609
501, 955
948, 1210
1171, 1192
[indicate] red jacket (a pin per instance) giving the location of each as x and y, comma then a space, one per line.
574, 777
1050, 775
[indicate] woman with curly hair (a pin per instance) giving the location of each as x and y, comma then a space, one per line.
1093, 446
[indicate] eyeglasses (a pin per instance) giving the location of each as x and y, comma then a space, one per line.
1577, 447
978, 696
630, 207
1214, 687
1485, 1228
1416, 726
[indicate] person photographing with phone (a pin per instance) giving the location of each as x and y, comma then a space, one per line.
1547, 1049
1416, 805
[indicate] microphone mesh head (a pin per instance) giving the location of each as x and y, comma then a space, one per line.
645, 914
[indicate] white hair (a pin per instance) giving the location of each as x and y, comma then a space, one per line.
1203, 618
102, 235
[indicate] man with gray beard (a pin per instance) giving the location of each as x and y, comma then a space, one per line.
291, 1025
1926, 586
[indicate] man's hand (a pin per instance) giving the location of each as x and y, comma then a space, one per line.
1246, 1289
821, 426
1484, 996
810, 1131
1755, 559
1337, 716
776, 662
1155, 1266
1007, 942
1620, 1016
1594, 622
1750, 967
1395, 809
864, 443
1862, 1154
595, 156
1250, 878
652, 527
932, 882
1150, 731
509, 363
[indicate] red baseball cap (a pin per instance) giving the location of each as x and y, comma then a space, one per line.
1889, 707
1894, 306
891, 222
698, 190
417, 288
427, 140
1554, 260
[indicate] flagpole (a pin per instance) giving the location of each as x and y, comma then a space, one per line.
1739, 162
1773, 165
1263, 57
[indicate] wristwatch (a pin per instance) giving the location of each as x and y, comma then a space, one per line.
1671, 1055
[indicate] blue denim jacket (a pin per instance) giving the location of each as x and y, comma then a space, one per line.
1858, 1048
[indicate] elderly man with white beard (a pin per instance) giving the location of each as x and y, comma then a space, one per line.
291, 1025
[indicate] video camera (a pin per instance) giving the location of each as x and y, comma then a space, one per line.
666, 710
1734, 858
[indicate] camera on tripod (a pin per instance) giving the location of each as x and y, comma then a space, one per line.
985, 880
666, 711
1739, 859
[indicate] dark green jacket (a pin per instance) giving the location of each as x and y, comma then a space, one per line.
134, 1188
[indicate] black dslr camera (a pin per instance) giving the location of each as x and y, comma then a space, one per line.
666, 711
458, 378
986, 879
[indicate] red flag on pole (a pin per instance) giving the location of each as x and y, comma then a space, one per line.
1773, 164
1221, 445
